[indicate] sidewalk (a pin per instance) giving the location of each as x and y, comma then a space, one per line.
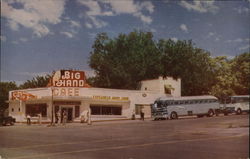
76, 124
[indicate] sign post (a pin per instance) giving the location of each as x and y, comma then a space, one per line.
52, 108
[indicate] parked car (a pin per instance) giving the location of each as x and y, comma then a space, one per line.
8, 120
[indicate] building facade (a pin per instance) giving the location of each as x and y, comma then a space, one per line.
105, 104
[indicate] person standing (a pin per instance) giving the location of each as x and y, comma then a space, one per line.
40, 118
142, 114
28, 119
58, 114
64, 117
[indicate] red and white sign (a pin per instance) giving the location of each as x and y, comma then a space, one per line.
69, 78
21, 95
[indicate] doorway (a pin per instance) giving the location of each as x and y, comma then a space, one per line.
69, 112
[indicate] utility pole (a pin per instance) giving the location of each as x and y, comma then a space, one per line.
52, 107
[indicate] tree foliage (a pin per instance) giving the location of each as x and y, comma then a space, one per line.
5, 87
36, 82
123, 61
182, 60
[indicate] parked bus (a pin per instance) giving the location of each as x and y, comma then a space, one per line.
172, 107
238, 104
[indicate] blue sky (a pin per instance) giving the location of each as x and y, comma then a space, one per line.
38, 37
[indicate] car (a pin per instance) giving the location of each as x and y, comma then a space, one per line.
8, 120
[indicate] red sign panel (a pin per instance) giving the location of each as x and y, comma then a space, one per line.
69, 78
21, 95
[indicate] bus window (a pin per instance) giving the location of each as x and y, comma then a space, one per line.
186, 102
176, 102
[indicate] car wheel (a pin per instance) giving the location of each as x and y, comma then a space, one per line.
239, 111
174, 115
210, 113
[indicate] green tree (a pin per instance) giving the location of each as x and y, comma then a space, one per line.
240, 66
124, 61
225, 78
182, 60
38, 81
5, 87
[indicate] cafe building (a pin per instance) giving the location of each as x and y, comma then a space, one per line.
68, 91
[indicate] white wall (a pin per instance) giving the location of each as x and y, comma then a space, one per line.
158, 85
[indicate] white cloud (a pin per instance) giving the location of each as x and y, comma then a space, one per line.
174, 39
238, 40
68, 34
75, 24
217, 39
184, 28
152, 30
114, 8
34, 14
242, 10
200, 6
88, 25
210, 24
92, 35
23, 39
3, 38
244, 47
210, 34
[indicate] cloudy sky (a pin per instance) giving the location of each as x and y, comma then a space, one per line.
39, 36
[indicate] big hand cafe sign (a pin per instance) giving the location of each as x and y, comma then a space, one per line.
68, 82
69, 78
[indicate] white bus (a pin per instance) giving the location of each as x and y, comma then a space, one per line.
172, 108
239, 103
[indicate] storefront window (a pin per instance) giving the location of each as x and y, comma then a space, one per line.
105, 110
35, 109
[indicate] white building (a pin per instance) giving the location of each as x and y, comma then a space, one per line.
105, 104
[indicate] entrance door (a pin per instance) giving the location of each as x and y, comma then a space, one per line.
69, 112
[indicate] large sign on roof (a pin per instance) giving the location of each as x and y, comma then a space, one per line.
69, 78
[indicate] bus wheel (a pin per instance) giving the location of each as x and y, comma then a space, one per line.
238, 112
174, 115
210, 113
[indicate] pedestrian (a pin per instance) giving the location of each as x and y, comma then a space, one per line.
28, 119
39, 118
58, 114
133, 115
82, 116
142, 114
64, 117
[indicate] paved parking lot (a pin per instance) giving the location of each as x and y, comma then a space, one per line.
223, 137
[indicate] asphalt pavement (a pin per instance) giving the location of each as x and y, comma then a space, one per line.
222, 137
